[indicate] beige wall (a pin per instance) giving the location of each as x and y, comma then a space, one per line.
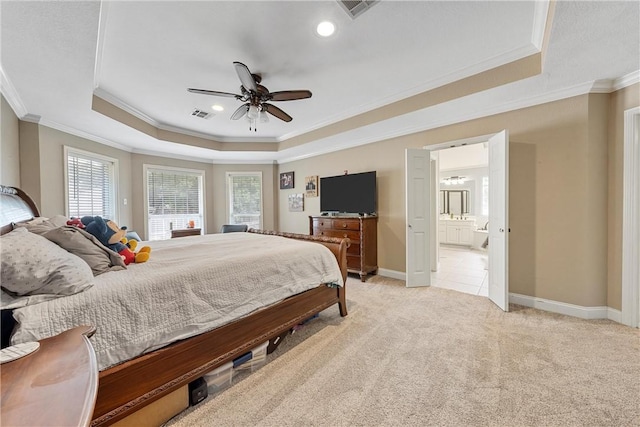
30, 161
10, 146
51, 147
556, 156
619, 101
218, 187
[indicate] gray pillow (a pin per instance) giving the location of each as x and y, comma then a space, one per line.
86, 246
41, 225
33, 265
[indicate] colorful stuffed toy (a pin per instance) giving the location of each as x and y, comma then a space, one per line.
75, 222
110, 235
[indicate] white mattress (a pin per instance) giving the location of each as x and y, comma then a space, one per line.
190, 285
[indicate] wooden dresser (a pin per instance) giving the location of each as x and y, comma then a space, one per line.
362, 255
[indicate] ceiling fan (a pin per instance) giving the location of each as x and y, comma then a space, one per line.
256, 98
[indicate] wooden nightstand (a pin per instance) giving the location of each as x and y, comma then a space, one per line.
185, 232
56, 385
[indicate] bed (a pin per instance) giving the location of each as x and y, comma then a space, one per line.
145, 376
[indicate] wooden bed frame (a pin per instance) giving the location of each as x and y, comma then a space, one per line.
130, 386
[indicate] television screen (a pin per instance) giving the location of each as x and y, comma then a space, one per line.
354, 193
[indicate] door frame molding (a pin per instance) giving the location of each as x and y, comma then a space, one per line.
630, 315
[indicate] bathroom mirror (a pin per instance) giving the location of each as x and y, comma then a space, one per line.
454, 202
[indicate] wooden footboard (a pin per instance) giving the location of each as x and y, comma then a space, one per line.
135, 384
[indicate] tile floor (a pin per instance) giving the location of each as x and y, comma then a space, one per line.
462, 269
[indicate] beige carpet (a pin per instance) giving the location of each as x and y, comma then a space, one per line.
431, 356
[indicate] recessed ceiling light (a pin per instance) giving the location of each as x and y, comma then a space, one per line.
325, 28
217, 107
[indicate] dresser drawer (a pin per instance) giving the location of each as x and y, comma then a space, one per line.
320, 224
346, 224
353, 235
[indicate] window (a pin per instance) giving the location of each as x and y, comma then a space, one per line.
244, 198
90, 184
485, 195
174, 197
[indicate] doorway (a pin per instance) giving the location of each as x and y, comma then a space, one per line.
422, 214
462, 262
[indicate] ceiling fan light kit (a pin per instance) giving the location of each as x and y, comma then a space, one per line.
256, 98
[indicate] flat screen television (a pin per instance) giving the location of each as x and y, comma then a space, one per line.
352, 193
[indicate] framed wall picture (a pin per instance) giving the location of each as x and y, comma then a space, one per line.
296, 202
286, 180
311, 186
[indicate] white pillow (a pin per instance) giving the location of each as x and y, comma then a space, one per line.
32, 265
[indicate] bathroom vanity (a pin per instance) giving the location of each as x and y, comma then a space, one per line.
456, 231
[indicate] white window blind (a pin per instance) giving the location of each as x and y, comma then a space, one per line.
91, 185
175, 197
244, 198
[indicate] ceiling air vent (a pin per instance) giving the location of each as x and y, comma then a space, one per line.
201, 114
355, 8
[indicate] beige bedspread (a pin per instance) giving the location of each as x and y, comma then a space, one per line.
189, 286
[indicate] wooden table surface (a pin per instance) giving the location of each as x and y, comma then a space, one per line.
54, 386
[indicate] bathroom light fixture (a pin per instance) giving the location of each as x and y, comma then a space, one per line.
453, 180
217, 108
325, 28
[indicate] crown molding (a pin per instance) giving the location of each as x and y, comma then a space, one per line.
115, 101
102, 25
169, 155
196, 134
31, 118
626, 80
11, 95
200, 160
540, 12
601, 86
82, 134
243, 162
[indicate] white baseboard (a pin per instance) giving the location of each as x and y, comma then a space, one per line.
579, 311
601, 312
393, 274
614, 315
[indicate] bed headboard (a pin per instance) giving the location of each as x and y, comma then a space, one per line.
15, 206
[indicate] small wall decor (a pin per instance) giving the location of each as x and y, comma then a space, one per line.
296, 202
311, 186
286, 180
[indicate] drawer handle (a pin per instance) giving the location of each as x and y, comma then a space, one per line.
345, 235
344, 225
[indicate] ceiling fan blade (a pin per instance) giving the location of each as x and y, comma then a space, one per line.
240, 112
213, 92
289, 95
276, 112
245, 76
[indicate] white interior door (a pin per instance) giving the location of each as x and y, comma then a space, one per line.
499, 219
417, 167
